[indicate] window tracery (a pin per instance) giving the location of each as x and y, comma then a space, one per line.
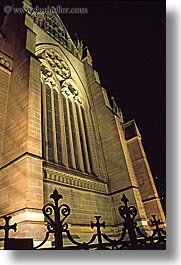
65, 129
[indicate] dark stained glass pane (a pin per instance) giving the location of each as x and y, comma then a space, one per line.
49, 125
57, 126
67, 131
73, 134
87, 138
83, 146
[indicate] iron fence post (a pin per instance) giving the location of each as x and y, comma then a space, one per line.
128, 213
6, 228
98, 225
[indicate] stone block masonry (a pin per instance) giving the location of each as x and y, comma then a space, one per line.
37, 146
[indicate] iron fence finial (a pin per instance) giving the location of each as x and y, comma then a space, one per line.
124, 199
7, 227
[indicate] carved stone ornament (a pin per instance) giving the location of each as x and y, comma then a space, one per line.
53, 64
4, 61
75, 181
55, 69
70, 85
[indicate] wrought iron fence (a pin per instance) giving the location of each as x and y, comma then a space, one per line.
132, 238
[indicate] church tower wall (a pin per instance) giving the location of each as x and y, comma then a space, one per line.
21, 136
142, 170
121, 176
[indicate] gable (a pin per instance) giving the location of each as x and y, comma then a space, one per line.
51, 23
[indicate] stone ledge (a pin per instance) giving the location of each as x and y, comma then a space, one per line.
75, 181
27, 215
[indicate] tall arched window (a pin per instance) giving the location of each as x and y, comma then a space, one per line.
66, 122
66, 139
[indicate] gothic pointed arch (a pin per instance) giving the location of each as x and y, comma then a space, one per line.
65, 130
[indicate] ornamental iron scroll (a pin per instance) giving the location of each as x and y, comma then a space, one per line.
128, 213
130, 238
56, 225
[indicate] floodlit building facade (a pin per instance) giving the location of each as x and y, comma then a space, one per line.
59, 129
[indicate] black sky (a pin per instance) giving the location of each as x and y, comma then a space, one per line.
127, 43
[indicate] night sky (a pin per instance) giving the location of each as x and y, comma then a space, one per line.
127, 43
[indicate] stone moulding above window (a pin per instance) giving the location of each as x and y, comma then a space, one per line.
75, 181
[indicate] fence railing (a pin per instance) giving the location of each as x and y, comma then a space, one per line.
131, 236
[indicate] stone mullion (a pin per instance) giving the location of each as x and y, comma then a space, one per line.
79, 148
63, 133
54, 127
95, 166
45, 119
84, 141
70, 135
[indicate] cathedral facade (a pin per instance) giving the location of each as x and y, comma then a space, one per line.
59, 129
